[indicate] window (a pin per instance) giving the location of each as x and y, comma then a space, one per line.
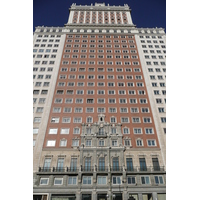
158, 179
77, 119
76, 131
137, 131
35, 130
143, 166
126, 130
127, 143
163, 119
161, 110
139, 142
58, 181
145, 179
136, 120
39, 109
101, 143
89, 110
100, 110
87, 180
114, 143
64, 131
134, 110
63, 143
124, 119
53, 131
55, 120
90, 100
79, 100
122, 101
78, 110
101, 180
66, 120
56, 110
37, 119
133, 101
116, 180
44, 181
158, 100
131, 180
145, 110
72, 180
75, 143
89, 120
149, 130
122, 92
67, 110
151, 143
101, 100
147, 120
88, 143
51, 143
156, 92
111, 100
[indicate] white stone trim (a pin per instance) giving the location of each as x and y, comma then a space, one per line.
121, 18
129, 18
71, 17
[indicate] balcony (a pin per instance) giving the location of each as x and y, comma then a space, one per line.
87, 169
101, 169
116, 169
72, 169
101, 134
58, 169
44, 169
131, 169
158, 169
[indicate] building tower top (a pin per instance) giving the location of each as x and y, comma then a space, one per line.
100, 14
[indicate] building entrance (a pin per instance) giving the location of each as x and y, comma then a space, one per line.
118, 196
101, 197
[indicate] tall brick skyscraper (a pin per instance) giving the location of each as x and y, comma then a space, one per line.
99, 97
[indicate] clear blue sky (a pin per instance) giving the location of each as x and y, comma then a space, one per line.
145, 13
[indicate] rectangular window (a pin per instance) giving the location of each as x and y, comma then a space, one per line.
134, 110
151, 143
137, 131
101, 180
63, 143
78, 110
87, 180
114, 143
66, 120
72, 180
53, 131
116, 180
149, 130
124, 119
145, 180
135, 119
76, 131
35, 130
77, 119
55, 120
58, 181
51, 143
158, 179
44, 181
75, 143
131, 180
64, 131
88, 143
67, 110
